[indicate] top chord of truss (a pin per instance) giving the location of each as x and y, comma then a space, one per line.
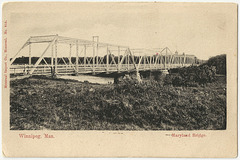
68, 40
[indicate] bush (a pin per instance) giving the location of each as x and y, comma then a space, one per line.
192, 76
195, 75
219, 62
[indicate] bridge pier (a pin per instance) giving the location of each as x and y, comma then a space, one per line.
138, 76
165, 72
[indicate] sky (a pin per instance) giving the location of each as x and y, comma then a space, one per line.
203, 30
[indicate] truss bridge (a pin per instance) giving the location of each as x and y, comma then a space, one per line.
54, 54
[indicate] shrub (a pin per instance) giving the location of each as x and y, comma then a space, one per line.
192, 76
195, 75
219, 62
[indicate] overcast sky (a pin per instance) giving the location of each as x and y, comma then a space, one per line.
204, 30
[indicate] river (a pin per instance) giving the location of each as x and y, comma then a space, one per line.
90, 79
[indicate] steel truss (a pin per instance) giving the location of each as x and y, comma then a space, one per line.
116, 58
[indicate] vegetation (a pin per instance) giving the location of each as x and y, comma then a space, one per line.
57, 104
168, 104
219, 62
198, 75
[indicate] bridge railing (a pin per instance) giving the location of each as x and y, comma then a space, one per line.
70, 69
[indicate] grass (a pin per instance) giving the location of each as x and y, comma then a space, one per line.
40, 103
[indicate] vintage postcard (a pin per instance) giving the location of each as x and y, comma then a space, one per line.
123, 79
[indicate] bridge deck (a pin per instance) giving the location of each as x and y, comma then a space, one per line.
69, 69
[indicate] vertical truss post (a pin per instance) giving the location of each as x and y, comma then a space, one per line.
128, 61
56, 58
161, 59
133, 60
30, 56
172, 60
184, 61
70, 54
42, 55
52, 63
165, 60
169, 64
168, 58
144, 62
118, 59
153, 61
97, 49
156, 61
84, 59
76, 56
179, 60
93, 60
52, 56
107, 60
150, 62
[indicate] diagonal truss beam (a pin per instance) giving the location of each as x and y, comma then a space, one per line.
15, 56
41, 57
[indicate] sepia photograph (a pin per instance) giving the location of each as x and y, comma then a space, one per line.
119, 67
68, 82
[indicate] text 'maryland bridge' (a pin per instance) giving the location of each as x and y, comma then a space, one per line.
84, 56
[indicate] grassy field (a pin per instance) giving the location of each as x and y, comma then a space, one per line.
40, 103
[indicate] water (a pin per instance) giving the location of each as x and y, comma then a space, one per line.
90, 79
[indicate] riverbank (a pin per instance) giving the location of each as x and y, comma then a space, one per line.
39, 103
